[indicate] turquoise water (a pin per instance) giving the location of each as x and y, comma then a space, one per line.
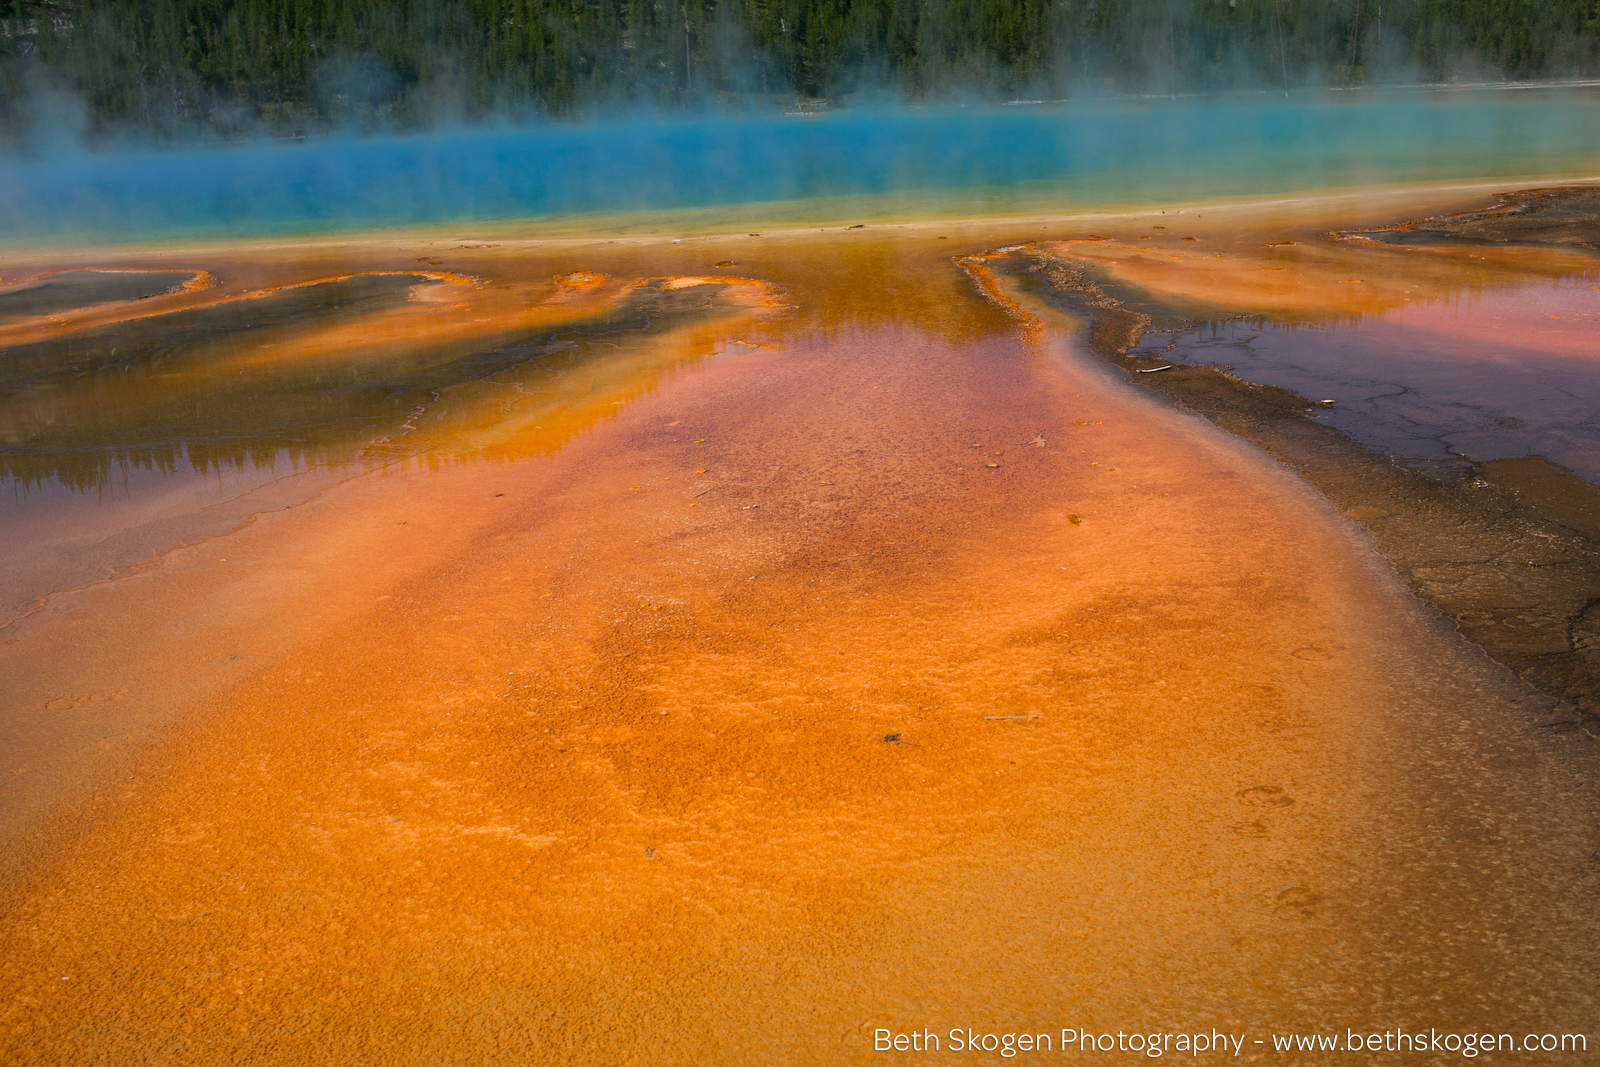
950, 161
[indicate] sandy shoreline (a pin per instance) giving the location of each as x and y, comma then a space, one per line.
1359, 206
872, 665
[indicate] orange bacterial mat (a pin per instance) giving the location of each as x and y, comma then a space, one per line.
762, 659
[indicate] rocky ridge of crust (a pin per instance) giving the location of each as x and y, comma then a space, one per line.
1511, 555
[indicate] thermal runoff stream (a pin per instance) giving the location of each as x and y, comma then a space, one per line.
634, 638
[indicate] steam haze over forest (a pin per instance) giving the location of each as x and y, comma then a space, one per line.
186, 69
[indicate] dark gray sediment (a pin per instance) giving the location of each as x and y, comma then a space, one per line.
1555, 215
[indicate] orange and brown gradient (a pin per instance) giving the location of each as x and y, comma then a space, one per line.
1224, 269
825, 645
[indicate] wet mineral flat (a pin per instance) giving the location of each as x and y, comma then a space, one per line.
774, 640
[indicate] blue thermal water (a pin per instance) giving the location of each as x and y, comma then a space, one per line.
1069, 158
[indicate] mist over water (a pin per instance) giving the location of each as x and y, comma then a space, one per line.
944, 161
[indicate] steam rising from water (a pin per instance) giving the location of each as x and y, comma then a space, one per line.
951, 161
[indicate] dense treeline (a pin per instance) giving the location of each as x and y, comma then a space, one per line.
181, 67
